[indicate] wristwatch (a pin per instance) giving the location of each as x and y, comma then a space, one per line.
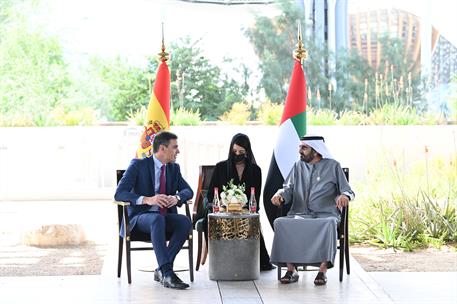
178, 198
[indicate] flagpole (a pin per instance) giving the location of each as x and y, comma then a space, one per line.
163, 56
300, 53
158, 112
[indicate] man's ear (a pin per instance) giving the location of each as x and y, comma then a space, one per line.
162, 147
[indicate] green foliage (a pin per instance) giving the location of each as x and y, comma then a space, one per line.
5, 7
34, 79
393, 115
321, 117
273, 40
351, 71
270, 113
238, 115
388, 114
138, 117
352, 118
355, 85
440, 220
67, 116
197, 84
364, 88
17, 120
397, 79
184, 117
126, 86
33, 75
402, 208
179, 117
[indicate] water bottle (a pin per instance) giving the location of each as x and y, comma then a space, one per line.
252, 202
216, 203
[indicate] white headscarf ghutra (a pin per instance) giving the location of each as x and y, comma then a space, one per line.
318, 144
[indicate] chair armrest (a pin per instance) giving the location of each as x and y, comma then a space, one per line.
123, 204
187, 203
123, 217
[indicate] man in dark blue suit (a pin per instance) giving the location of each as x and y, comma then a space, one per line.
154, 187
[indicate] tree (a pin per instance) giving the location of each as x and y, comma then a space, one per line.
365, 88
33, 75
402, 82
196, 83
350, 74
274, 39
124, 87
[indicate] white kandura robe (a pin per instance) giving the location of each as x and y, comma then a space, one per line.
308, 234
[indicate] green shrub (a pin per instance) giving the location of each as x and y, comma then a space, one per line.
184, 117
238, 115
352, 118
270, 113
67, 116
17, 120
402, 208
392, 114
138, 117
321, 117
179, 117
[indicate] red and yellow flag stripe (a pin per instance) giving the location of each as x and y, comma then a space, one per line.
158, 114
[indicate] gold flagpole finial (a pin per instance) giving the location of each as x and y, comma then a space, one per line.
300, 53
163, 56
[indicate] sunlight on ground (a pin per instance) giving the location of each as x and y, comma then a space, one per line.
17, 259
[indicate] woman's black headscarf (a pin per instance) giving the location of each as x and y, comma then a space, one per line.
241, 140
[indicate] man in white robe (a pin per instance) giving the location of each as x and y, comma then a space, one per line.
317, 188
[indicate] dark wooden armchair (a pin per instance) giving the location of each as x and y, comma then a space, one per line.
199, 212
343, 238
129, 237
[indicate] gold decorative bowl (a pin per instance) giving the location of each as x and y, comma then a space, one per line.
234, 207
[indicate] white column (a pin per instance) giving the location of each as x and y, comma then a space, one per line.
426, 39
331, 38
319, 21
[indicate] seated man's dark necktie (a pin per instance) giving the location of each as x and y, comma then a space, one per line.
163, 188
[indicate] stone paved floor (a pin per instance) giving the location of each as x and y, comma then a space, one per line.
358, 287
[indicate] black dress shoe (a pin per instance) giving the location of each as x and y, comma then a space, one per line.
172, 281
158, 275
268, 266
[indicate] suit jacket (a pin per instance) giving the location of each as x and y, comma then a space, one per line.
138, 180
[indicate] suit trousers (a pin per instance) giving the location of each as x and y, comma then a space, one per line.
172, 227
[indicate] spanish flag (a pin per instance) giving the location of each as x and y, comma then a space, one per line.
158, 115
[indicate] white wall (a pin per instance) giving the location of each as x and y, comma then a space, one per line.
80, 162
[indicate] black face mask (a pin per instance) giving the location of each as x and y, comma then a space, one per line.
239, 158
